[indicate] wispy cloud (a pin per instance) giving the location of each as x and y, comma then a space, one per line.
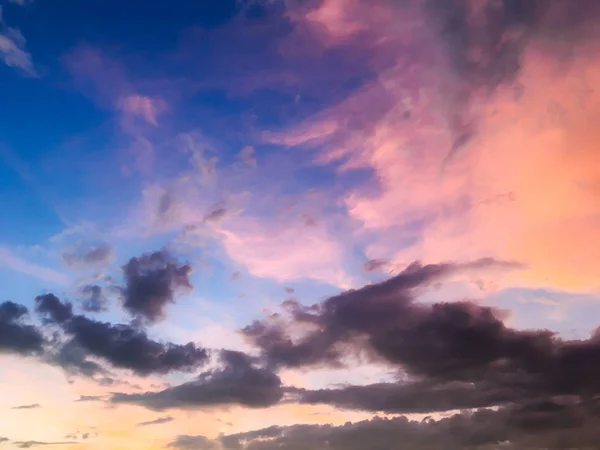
32, 406
12, 48
158, 421
14, 262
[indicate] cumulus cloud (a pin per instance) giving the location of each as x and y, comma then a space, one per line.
123, 346
151, 282
355, 312
15, 335
238, 382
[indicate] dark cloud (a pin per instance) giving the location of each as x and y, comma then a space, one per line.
84, 255
53, 309
452, 355
216, 215
158, 421
32, 406
151, 281
371, 311
127, 347
16, 336
3, 439
123, 346
374, 265
184, 442
74, 359
237, 382
93, 298
549, 425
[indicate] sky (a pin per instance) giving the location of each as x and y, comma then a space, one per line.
299, 224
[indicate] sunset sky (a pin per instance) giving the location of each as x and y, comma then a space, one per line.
300, 224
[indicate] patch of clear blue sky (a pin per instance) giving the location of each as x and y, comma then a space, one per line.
63, 149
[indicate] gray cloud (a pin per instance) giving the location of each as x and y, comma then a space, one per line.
93, 298
185, 442
374, 265
151, 282
238, 382
123, 346
15, 335
89, 398
552, 425
88, 255
32, 406
158, 421
31, 444
372, 311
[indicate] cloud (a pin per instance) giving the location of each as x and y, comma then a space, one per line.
237, 383
12, 49
374, 311
145, 107
74, 359
83, 255
158, 421
184, 442
31, 444
11, 261
16, 336
89, 398
551, 425
151, 282
374, 265
472, 106
32, 406
123, 346
93, 298
248, 156
49, 305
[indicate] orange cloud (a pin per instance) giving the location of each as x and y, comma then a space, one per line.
525, 185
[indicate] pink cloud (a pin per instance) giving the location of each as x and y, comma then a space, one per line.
525, 186
145, 107
285, 251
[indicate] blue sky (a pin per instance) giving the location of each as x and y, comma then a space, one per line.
285, 152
